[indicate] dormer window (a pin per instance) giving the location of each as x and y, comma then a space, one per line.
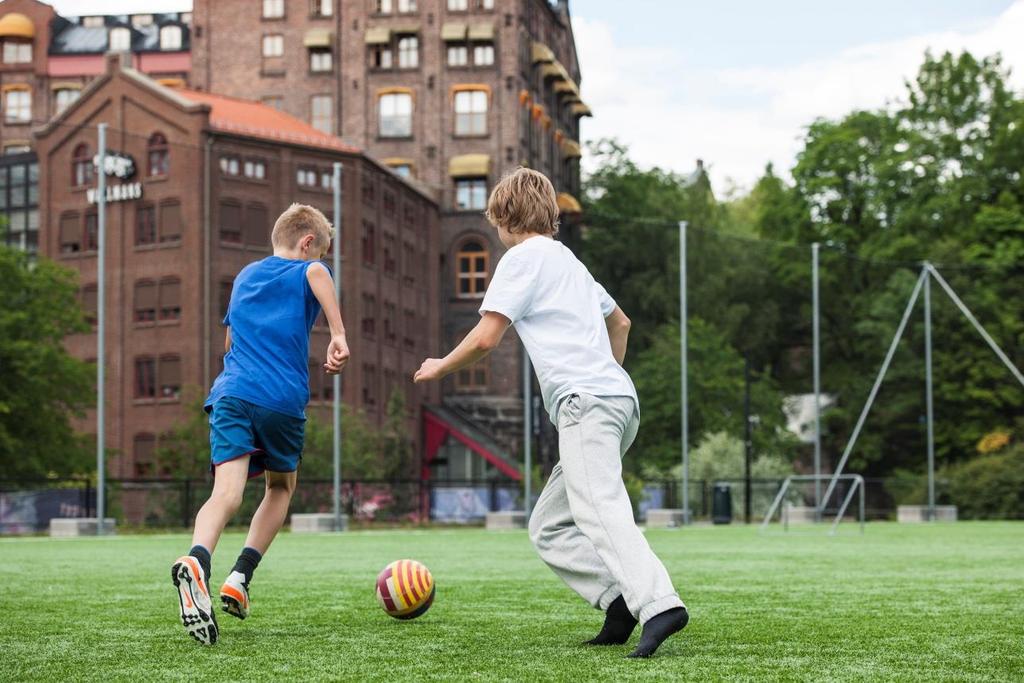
120, 39
142, 20
92, 22
170, 38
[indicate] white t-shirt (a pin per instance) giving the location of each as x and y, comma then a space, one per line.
558, 310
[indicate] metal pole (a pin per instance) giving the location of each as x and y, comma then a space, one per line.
527, 434
747, 444
816, 321
685, 399
928, 390
101, 358
336, 417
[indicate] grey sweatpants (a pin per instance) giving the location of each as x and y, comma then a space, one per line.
583, 524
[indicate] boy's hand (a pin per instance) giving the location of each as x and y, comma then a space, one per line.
432, 368
337, 355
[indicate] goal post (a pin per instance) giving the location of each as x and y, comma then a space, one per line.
856, 487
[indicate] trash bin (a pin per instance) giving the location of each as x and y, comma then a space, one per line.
721, 504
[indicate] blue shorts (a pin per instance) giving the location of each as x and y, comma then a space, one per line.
273, 441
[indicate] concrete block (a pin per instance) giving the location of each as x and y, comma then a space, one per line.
67, 527
919, 513
665, 518
315, 522
506, 519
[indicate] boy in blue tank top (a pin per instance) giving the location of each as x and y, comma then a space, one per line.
257, 407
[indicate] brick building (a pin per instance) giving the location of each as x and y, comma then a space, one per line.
195, 182
450, 92
45, 62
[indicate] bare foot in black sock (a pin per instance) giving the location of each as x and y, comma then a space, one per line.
618, 625
658, 628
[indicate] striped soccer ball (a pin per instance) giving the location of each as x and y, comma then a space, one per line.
405, 589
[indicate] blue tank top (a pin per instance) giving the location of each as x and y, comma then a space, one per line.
271, 313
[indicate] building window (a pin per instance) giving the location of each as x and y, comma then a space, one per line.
369, 244
458, 55
390, 333
273, 45
406, 6
321, 60
92, 235
408, 52
70, 234
382, 57
18, 105
17, 51
143, 448
273, 9
471, 275
471, 194
16, 148
403, 170
89, 303
369, 321
19, 201
145, 377
255, 169
63, 97
370, 386
170, 38
229, 165
458, 5
170, 222
306, 177
170, 377
321, 8
383, 6
81, 166
322, 113
159, 155
145, 225
411, 330
231, 222
483, 54
170, 299
142, 20
274, 101
145, 301
471, 112
120, 39
395, 115
410, 264
390, 255
257, 232
486, 4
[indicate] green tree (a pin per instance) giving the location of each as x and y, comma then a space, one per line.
43, 386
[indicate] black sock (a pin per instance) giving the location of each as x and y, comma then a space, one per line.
247, 562
658, 628
203, 555
618, 625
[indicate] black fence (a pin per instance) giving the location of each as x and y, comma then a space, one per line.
28, 506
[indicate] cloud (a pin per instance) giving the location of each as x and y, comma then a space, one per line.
738, 119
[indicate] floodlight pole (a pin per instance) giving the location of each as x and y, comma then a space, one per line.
101, 358
527, 434
815, 327
684, 432
336, 417
928, 389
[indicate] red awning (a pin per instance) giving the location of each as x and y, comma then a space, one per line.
437, 428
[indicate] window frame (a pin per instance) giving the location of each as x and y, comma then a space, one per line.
120, 31
393, 97
158, 156
471, 123
277, 14
472, 182
272, 40
328, 115
24, 108
479, 268
171, 45
408, 58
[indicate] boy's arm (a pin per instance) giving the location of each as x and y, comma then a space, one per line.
227, 340
618, 333
323, 289
480, 341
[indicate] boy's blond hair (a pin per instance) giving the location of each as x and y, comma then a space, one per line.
299, 220
524, 201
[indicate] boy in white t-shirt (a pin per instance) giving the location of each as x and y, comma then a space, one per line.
582, 526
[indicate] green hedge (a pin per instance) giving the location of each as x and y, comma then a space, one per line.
988, 486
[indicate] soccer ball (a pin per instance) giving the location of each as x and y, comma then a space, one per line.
405, 589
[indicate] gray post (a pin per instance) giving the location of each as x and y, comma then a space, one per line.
815, 326
928, 389
527, 434
336, 417
685, 398
101, 359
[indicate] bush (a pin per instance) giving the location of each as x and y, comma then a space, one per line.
989, 486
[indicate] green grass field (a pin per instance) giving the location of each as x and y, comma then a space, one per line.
902, 602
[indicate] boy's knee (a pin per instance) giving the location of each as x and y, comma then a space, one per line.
230, 500
281, 484
540, 534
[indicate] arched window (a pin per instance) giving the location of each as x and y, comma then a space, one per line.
170, 38
120, 39
471, 270
473, 378
81, 166
159, 156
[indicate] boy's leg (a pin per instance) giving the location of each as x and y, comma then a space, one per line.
592, 435
224, 501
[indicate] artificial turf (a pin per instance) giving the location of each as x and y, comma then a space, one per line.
922, 602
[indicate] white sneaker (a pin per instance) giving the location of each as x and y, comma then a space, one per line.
234, 597
194, 600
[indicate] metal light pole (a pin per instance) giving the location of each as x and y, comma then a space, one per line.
336, 417
527, 434
101, 359
685, 398
928, 389
816, 342
748, 446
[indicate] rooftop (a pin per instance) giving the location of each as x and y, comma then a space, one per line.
91, 34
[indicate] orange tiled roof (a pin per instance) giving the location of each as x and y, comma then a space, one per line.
245, 117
